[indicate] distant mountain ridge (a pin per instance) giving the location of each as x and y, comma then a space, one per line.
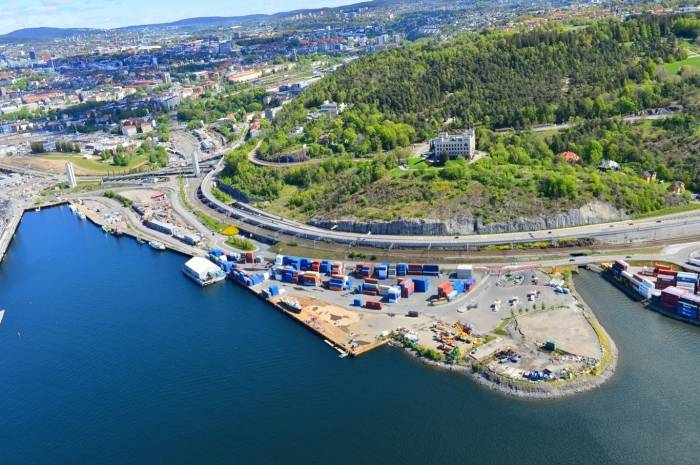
50, 33
45, 33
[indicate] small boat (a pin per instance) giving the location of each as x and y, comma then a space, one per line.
140, 241
2, 315
72, 208
155, 245
118, 232
81, 215
107, 229
37, 209
291, 304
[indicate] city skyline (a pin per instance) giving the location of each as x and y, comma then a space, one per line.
19, 14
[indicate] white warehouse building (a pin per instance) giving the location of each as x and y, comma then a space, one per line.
460, 145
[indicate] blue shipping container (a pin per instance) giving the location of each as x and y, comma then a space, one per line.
421, 285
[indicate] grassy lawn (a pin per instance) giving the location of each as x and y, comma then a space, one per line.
670, 210
676, 65
97, 167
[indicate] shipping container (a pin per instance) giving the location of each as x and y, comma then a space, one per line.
445, 289
415, 269
337, 268
464, 271
401, 269
421, 285
373, 305
431, 270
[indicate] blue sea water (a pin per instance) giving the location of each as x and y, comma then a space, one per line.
109, 355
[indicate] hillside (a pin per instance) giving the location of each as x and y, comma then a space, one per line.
44, 33
491, 80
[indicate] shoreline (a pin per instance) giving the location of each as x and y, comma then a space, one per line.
541, 390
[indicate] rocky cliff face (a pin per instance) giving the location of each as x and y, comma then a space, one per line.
591, 213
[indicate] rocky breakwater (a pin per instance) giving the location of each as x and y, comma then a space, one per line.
590, 213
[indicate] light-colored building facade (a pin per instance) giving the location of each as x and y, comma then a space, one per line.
453, 146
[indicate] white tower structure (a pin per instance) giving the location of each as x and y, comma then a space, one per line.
195, 164
71, 175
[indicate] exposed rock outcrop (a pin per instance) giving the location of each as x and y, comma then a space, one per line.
591, 213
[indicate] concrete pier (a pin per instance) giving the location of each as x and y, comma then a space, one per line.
9, 232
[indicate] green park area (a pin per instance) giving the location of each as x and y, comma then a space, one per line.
97, 166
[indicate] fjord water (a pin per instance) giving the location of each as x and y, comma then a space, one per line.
109, 355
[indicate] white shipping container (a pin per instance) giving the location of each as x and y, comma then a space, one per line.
464, 271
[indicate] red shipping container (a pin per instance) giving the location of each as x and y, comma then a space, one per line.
373, 305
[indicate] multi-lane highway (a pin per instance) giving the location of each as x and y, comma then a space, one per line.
621, 232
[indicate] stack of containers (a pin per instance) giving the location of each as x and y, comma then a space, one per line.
293, 262
431, 270
619, 266
315, 266
391, 272
421, 285
279, 260
464, 271
326, 267
469, 284
458, 286
339, 283
274, 290
380, 271
646, 286
311, 278
370, 287
305, 264
227, 266
401, 269
260, 278
627, 276
663, 269
337, 268
665, 280
365, 271
415, 269
688, 305
216, 252
241, 277
393, 295
289, 275
670, 297
445, 289
408, 287
384, 290
234, 257
249, 257
686, 281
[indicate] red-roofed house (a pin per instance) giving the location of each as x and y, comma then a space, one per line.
570, 157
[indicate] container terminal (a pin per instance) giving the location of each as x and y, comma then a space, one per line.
663, 288
520, 327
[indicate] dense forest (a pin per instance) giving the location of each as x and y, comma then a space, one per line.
591, 75
493, 79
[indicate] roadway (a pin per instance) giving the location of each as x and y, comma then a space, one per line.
621, 232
